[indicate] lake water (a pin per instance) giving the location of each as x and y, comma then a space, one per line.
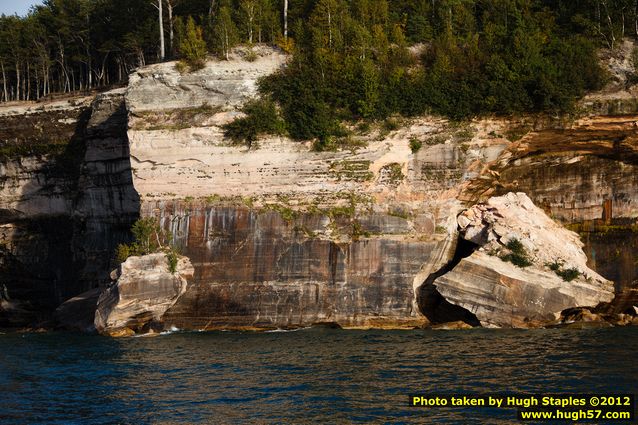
308, 376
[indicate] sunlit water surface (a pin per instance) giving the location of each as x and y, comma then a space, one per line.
308, 376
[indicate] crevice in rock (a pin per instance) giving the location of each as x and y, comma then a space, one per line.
433, 305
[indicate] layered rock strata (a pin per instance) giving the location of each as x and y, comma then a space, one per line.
531, 289
66, 201
281, 236
144, 288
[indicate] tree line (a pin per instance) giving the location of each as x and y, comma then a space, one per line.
351, 59
64, 46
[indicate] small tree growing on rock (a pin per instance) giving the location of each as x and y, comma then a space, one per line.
191, 46
517, 254
149, 238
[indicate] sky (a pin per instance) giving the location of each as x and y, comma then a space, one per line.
21, 7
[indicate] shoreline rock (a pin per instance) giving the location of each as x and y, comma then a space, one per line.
530, 294
143, 291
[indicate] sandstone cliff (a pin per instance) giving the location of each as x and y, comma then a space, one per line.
280, 236
142, 291
66, 201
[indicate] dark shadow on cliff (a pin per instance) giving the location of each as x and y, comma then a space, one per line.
37, 264
433, 305
107, 204
59, 253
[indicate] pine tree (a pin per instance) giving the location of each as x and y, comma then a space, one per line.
191, 46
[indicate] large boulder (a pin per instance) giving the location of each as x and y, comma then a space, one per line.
526, 268
78, 313
145, 288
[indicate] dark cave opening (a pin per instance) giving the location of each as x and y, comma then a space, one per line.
433, 305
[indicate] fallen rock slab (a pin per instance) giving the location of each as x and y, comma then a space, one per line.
78, 313
142, 292
526, 268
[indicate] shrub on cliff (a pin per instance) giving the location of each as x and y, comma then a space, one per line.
261, 117
566, 274
517, 254
149, 238
191, 45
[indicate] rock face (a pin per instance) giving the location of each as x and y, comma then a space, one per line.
66, 201
227, 83
583, 174
281, 236
530, 294
144, 290
254, 269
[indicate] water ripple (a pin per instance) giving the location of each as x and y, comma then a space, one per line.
304, 377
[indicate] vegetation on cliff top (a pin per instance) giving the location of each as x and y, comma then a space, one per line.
149, 238
352, 59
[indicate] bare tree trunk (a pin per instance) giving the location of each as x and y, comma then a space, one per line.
88, 54
28, 82
47, 81
286, 20
211, 9
159, 8
37, 84
17, 81
329, 29
4, 83
170, 25
251, 20
611, 26
261, 20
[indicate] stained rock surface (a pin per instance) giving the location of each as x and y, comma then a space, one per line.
145, 288
532, 293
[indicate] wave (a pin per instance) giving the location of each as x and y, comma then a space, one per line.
287, 330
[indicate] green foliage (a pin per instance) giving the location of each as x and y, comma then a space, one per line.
392, 173
148, 235
149, 238
555, 266
124, 251
415, 145
191, 46
225, 33
566, 274
569, 274
489, 57
518, 254
172, 258
351, 58
261, 117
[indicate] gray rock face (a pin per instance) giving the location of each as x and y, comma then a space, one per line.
501, 294
144, 290
65, 205
223, 83
78, 313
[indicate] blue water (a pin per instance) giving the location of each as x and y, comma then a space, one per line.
303, 377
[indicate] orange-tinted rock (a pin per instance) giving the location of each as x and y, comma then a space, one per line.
256, 269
